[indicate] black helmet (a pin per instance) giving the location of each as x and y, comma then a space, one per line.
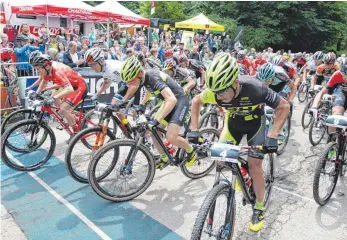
21, 38
39, 60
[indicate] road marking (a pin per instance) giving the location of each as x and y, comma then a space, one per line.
80, 215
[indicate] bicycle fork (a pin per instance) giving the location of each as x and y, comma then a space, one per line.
127, 167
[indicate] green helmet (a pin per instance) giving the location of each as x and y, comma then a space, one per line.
130, 69
266, 72
222, 73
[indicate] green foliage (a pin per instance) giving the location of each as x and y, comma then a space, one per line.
167, 10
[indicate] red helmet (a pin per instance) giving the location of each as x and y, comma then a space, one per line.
170, 63
329, 58
168, 53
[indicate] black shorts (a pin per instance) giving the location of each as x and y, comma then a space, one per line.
340, 98
320, 79
122, 90
235, 128
178, 114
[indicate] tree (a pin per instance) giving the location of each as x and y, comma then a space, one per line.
167, 10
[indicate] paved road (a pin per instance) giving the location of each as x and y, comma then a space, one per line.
48, 204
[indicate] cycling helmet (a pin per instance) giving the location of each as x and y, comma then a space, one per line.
93, 54
21, 38
343, 66
130, 69
168, 53
241, 55
39, 60
266, 72
329, 58
299, 55
243, 69
278, 61
33, 55
318, 55
140, 56
222, 73
182, 58
169, 64
220, 54
151, 64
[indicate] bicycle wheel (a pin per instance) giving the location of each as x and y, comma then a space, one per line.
302, 92
126, 180
209, 119
37, 143
153, 111
94, 117
343, 166
283, 138
212, 219
268, 169
15, 117
316, 132
306, 118
203, 164
79, 154
327, 169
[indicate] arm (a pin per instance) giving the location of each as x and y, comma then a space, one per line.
105, 85
292, 91
55, 86
22, 49
195, 112
169, 103
190, 85
37, 82
203, 77
130, 92
145, 99
33, 48
318, 97
42, 86
282, 111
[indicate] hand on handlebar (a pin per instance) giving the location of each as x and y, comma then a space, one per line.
270, 145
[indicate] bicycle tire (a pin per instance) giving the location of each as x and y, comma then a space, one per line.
310, 132
303, 87
269, 180
153, 111
89, 115
116, 144
207, 117
307, 107
343, 166
11, 115
185, 170
208, 204
8, 132
316, 179
285, 143
74, 174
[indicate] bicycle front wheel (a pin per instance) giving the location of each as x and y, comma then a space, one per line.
81, 149
284, 136
326, 174
306, 118
35, 144
268, 169
317, 131
127, 179
213, 220
15, 117
302, 93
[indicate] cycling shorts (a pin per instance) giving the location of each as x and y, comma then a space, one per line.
235, 128
74, 98
122, 90
340, 98
320, 80
178, 114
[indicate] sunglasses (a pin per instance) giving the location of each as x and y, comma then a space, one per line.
221, 92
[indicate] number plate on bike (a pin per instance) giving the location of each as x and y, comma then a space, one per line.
225, 152
337, 121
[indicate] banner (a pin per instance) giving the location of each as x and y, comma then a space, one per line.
34, 30
185, 36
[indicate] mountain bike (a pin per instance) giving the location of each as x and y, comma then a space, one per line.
216, 217
332, 161
306, 118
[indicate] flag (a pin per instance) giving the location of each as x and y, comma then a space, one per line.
2, 14
153, 8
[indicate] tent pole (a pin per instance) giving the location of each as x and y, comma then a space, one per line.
108, 32
47, 19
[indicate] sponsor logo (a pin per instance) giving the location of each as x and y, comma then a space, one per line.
244, 98
26, 9
79, 11
130, 18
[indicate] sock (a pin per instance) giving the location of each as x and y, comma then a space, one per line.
164, 157
190, 149
259, 205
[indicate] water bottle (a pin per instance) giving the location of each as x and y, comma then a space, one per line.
246, 176
126, 124
170, 148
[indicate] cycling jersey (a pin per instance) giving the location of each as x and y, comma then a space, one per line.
299, 61
258, 63
151, 64
281, 79
112, 71
290, 69
245, 115
248, 63
311, 66
182, 74
197, 66
156, 81
338, 86
243, 69
322, 70
63, 75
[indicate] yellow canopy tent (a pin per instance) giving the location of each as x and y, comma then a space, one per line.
200, 22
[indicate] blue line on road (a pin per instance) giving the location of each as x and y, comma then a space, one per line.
41, 216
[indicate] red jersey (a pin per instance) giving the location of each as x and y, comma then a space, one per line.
290, 69
337, 80
248, 63
63, 75
259, 62
300, 61
6, 52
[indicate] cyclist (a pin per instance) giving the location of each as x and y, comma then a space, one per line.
299, 60
173, 111
243, 69
325, 70
181, 75
337, 85
288, 67
242, 59
259, 61
72, 84
194, 65
243, 98
310, 67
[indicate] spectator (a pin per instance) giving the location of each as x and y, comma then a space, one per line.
61, 50
144, 51
161, 52
62, 37
206, 60
53, 43
155, 44
196, 39
210, 41
75, 38
77, 32
92, 35
22, 52
130, 52
25, 30
155, 35
95, 45
140, 44
85, 40
5, 54
203, 51
71, 57
219, 43
11, 32
85, 47
203, 38
118, 54
42, 26
44, 39
189, 44
179, 35
194, 54
102, 41
227, 43
107, 55
154, 56
123, 41
52, 52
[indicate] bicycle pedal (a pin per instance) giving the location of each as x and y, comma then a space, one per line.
164, 166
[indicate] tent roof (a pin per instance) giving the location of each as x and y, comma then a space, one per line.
120, 14
200, 22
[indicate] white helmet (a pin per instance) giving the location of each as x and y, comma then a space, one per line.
93, 54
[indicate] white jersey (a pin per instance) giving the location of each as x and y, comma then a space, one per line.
112, 70
311, 66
